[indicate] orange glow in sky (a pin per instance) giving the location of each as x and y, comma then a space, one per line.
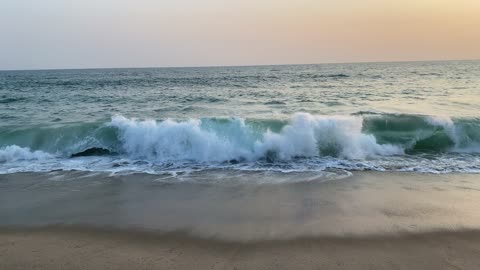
127, 33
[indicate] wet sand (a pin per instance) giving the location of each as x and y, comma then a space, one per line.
87, 248
220, 220
225, 205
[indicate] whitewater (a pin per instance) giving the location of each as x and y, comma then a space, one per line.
306, 142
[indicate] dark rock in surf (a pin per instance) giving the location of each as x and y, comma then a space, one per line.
233, 161
94, 151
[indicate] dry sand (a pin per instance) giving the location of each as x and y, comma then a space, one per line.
86, 248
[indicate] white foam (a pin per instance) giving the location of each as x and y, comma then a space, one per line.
170, 140
158, 146
462, 142
447, 124
304, 136
16, 153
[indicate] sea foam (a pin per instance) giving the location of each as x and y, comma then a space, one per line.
305, 136
16, 153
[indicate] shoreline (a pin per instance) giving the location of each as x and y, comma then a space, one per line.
369, 220
365, 203
79, 247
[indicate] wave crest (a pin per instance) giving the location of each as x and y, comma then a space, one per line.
15, 153
170, 140
305, 136
305, 141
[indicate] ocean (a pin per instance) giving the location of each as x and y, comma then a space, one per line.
334, 118
244, 153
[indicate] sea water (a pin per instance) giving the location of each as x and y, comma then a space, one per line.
410, 116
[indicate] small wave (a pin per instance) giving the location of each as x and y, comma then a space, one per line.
333, 103
320, 76
274, 102
426, 74
11, 100
366, 113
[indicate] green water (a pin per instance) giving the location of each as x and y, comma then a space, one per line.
420, 116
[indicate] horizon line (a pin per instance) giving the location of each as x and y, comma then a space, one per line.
246, 65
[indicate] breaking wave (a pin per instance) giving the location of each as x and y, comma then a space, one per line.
216, 140
15, 153
375, 139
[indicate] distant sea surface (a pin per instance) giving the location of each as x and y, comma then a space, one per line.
332, 118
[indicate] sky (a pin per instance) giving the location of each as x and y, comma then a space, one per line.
162, 33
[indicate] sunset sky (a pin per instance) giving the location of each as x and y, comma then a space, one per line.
147, 33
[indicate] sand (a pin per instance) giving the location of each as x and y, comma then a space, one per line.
87, 248
74, 220
365, 203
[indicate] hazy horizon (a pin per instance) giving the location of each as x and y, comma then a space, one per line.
247, 65
130, 34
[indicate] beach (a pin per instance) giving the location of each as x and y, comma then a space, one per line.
366, 220
224, 204
322, 166
87, 248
